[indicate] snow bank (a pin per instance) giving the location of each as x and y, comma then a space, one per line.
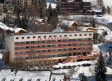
109, 32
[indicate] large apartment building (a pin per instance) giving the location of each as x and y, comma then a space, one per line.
75, 7
54, 46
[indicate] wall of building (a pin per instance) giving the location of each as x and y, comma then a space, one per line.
53, 45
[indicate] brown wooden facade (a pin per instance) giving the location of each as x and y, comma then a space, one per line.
77, 7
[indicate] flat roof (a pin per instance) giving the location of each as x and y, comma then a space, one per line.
50, 33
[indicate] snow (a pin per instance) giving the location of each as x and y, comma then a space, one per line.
104, 19
18, 29
86, 23
52, 5
5, 27
101, 29
73, 63
58, 30
106, 2
96, 48
67, 22
40, 20
57, 78
25, 75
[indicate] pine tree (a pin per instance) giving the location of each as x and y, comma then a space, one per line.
108, 10
52, 17
83, 78
42, 7
58, 8
24, 23
93, 23
100, 3
25, 9
95, 38
49, 14
5, 10
103, 10
100, 69
55, 15
4, 20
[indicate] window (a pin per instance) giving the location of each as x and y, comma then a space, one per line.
17, 38
32, 41
27, 47
89, 34
80, 34
75, 35
49, 36
85, 34
65, 35
44, 36
33, 36
16, 42
28, 37
27, 42
70, 35
39, 36
22, 37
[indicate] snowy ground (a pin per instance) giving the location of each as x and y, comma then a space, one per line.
56, 74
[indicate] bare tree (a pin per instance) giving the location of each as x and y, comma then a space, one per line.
100, 3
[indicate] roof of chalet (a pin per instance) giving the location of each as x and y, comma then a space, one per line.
6, 28
41, 20
67, 23
86, 28
86, 23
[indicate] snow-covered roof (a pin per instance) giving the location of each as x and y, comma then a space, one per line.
42, 75
96, 10
19, 29
40, 20
67, 22
70, 0
25, 75
57, 77
5, 27
86, 23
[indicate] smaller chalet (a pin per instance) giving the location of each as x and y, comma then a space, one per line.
43, 21
88, 29
19, 30
69, 25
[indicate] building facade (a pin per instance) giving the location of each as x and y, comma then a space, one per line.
53, 46
75, 7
